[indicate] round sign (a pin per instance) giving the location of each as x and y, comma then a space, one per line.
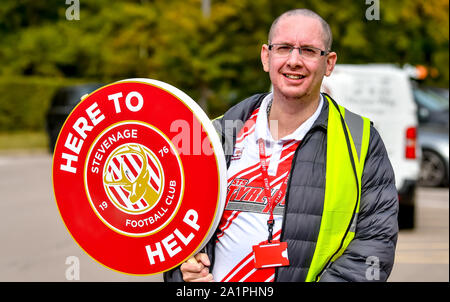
139, 176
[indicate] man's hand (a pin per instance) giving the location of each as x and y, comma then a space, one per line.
196, 269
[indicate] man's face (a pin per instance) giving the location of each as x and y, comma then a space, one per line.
295, 77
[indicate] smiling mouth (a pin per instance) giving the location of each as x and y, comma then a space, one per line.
293, 77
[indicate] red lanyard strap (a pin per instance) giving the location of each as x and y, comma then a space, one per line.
272, 201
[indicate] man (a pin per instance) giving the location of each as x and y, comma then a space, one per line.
304, 175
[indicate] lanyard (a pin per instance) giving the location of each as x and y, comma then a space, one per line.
272, 201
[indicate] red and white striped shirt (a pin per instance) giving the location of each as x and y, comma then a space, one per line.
244, 221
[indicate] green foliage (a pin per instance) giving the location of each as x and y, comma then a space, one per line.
24, 102
213, 58
219, 54
23, 140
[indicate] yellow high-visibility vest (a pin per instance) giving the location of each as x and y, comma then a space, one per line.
347, 143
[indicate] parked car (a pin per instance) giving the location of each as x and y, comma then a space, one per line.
61, 105
432, 106
434, 168
383, 93
433, 136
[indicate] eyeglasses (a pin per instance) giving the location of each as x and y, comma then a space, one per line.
307, 52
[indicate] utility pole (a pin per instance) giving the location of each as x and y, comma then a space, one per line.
203, 102
206, 8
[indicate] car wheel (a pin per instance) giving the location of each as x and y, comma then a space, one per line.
432, 169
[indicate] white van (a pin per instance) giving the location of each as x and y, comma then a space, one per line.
384, 94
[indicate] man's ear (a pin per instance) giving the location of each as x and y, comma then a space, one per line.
331, 62
265, 57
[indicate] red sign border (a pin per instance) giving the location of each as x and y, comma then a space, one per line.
213, 137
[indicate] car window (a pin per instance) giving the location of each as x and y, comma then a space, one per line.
430, 100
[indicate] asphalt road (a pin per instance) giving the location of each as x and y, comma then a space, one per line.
35, 245
422, 253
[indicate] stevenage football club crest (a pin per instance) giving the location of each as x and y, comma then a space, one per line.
133, 178
139, 176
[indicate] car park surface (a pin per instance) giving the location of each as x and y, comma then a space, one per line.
38, 247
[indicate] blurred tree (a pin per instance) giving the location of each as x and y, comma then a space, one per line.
218, 55
25, 13
215, 56
109, 42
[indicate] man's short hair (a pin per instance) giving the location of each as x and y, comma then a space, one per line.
327, 35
